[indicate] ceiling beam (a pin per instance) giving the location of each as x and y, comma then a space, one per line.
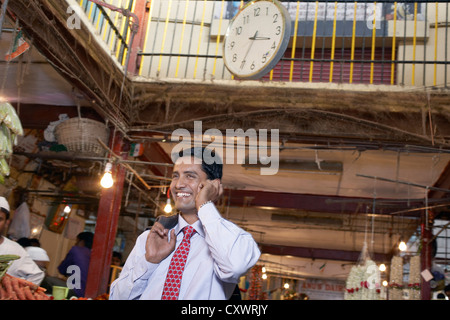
154, 153
443, 183
322, 254
315, 203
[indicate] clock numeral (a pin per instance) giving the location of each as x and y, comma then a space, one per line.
264, 58
278, 30
232, 45
256, 12
246, 19
275, 18
252, 67
274, 46
238, 30
234, 57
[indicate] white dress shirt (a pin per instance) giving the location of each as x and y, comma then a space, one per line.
24, 267
220, 254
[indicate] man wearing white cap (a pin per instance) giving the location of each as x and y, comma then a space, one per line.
24, 267
39, 256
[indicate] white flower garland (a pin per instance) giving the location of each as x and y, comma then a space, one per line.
363, 282
396, 279
414, 278
372, 281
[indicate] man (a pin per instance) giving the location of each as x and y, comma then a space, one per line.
24, 267
220, 252
79, 255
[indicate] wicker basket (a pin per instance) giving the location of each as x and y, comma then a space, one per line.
81, 135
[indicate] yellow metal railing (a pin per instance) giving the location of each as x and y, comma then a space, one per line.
381, 42
111, 25
115, 273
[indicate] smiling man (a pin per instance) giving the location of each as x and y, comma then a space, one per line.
210, 252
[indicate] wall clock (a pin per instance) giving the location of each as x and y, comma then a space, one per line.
256, 38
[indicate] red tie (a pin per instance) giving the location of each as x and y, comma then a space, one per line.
173, 280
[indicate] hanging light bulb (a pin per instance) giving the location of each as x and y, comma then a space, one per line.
107, 180
286, 285
402, 246
264, 276
168, 207
67, 209
382, 267
263, 269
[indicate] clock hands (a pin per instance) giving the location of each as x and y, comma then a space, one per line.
248, 50
255, 37
259, 38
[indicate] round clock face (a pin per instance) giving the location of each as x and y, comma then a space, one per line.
256, 38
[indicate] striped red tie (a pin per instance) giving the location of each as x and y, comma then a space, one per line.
174, 274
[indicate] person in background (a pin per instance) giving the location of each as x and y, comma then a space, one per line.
39, 256
24, 242
116, 267
24, 267
116, 259
34, 242
79, 255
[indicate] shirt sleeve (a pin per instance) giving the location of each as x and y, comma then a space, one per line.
234, 250
27, 269
135, 273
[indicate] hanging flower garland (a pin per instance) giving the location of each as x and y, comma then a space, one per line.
414, 278
363, 282
372, 281
354, 279
396, 276
255, 283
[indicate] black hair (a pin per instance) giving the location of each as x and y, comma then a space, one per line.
117, 254
24, 242
211, 162
34, 242
5, 211
87, 237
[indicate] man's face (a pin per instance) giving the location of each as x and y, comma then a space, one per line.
115, 261
3, 222
186, 178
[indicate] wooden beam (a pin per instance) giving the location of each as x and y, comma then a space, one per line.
106, 229
443, 183
153, 152
319, 253
315, 203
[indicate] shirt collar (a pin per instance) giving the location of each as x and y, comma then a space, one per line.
197, 225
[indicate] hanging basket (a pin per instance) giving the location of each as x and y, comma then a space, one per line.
81, 135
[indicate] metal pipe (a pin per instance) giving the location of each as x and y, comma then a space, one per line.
294, 41
2, 15
403, 182
393, 42
66, 157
